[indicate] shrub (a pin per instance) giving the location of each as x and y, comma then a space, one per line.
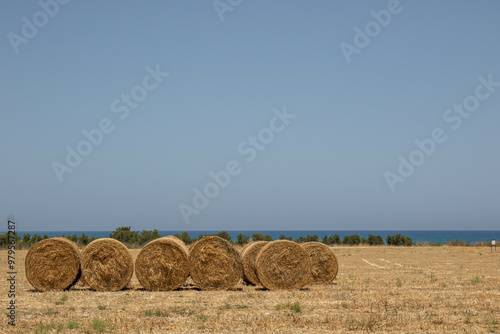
224, 235
351, 240
260, 237
330, 240
399, 240
375, 240
184, 237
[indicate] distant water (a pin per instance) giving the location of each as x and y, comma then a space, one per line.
417, 236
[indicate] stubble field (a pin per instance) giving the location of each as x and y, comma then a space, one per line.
380, 289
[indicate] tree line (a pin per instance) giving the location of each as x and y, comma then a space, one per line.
138, 239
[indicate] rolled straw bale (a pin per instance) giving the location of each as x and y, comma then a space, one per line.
324, 262
163, 264
107, 265
283, 265
248, 255
245, 247
214, 264
53, 264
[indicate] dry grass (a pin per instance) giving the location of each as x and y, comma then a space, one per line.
380, 289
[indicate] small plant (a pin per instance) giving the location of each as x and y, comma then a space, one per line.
72, 325
62, 300
72, 309
293, 307
444, 285
99, 325
100, 307
157, 313
202, 317
161, 314
240, 307
399, 283
476, 280
433, 278
227, 306
41, 329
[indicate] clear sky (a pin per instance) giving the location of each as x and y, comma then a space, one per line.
332, 166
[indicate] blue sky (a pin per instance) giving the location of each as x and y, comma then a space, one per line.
326, 168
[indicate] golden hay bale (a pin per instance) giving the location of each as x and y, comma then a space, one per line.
214, 264
324, 262
245, 247
107, 265
283, 265
53, 264
248, 255
163, 264
175, 238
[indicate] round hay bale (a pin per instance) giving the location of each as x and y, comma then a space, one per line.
53, 264
175, 238
248, 255
283, 265
324, 263
163, 264
214, 264
245, 247
107, 265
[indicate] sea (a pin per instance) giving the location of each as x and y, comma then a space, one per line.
418, 236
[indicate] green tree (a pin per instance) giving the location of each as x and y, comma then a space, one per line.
26, 238
260, 237
375, 240
35, 238
184, 236
351, 240
224, 235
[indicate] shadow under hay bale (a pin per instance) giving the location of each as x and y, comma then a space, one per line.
163, 264
215, 264
249, 255
324, 263
283, 265
53, 264
107, 265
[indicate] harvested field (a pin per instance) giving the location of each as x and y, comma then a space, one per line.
380, 289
